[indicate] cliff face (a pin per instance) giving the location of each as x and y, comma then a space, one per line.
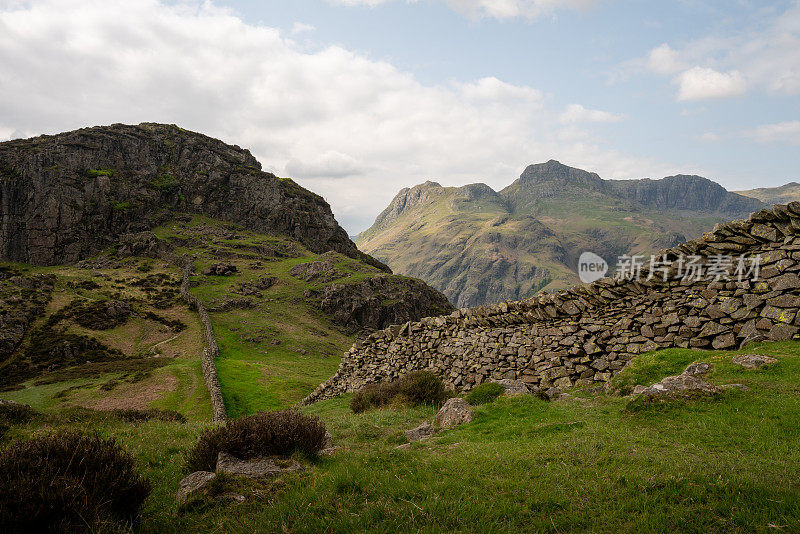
67, 196
684, 192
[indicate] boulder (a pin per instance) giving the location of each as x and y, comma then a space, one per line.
680, 384
425, 430
753, 361
255, 468
194, 483
455, 411
513, 387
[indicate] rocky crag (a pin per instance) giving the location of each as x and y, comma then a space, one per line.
480, 246
588, 333
65, 197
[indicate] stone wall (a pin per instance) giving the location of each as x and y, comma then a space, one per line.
210, 352
586, 334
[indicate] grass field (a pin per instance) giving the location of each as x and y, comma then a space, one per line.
589, 463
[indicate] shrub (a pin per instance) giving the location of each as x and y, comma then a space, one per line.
67, 482
12, 413
484, 393
422, 387
373, 395
262, 434
418, 387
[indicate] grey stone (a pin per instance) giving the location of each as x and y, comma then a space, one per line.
513, 387
697, 368
456, 411
425, 430
753, 361
193, 484
255, 468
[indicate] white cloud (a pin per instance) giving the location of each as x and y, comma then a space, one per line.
783, 132
578, 113
664, 60
764, 56
709, 137
499, 9
330, 164
318, 116
300, 27
699, 83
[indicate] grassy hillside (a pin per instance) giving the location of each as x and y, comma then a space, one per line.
276, 342
587, 463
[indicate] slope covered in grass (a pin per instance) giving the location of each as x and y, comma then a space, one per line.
585, 463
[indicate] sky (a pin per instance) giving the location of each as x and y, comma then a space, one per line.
356, 99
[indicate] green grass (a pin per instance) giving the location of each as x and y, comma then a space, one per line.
728, 464
100, 172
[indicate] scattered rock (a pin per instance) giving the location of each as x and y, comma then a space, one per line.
425, 430
194, 483
513, 387
220, 269
753, 361
403, 447
697, 368
455, 411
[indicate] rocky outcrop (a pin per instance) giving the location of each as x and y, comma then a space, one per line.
65, 197
588, 333
22, 299
380, 301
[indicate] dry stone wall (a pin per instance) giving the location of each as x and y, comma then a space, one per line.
588, 333
210, 352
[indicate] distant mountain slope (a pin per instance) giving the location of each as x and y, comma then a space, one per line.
480, 246
775, 195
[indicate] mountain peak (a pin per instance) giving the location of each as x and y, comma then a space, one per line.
554, 171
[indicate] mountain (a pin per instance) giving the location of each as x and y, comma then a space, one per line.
67, 196
775, 195
481, 246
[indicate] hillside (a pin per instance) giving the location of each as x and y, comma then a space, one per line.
91, 265
480, 246
775, 195
585, 462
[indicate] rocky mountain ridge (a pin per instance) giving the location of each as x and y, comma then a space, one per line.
483, 246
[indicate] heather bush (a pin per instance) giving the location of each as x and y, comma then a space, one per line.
279, 433
415, 388
68, 482
16, 414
